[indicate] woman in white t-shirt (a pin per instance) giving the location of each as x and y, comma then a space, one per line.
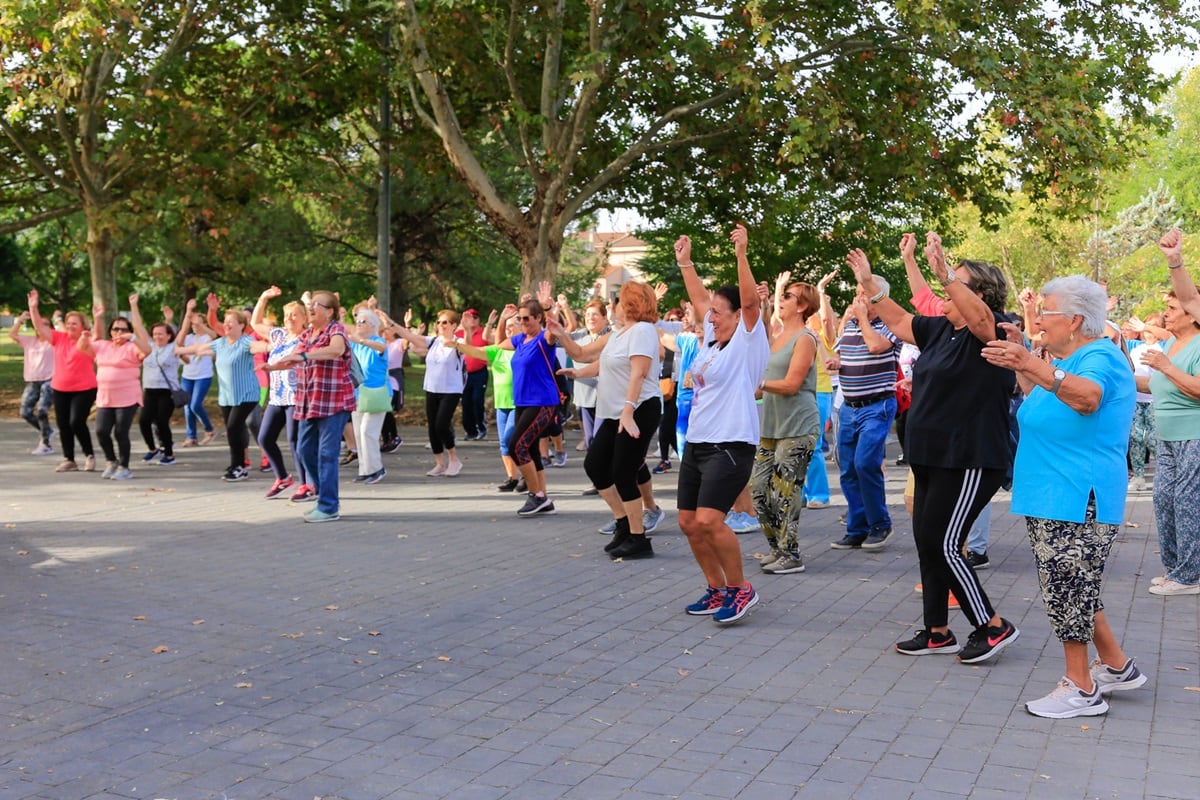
197, 374
445, 377
628, 408
723, 429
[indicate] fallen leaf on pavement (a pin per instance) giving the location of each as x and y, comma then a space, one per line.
162, 648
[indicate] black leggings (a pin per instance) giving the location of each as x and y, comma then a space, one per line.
237, 432
616, 458
157, 408
532, 423
275, 419
666, 428
439, 417
71, 411
115, 423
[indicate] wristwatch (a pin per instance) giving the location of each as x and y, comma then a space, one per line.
950, 278
1058, 379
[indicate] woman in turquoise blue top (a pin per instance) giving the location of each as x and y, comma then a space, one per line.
1069, 481
237, 386
1175, 384
374, 393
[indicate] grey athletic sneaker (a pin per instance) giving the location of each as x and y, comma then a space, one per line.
1068, 700
652, 518
1111, 680
786, 565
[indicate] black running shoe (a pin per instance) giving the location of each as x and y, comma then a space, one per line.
987, 641
536, 505
926, 643
508, 486
636, 546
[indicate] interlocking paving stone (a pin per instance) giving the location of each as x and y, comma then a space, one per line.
432, 644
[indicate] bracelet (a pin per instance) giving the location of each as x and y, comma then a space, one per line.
1174, 266
688, 265
304, 356
631, 403
882, 293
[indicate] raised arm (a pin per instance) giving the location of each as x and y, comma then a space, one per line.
747, 288
213, 319
15, 330
875, 290
698, 295
39, 324
141, 337
979, 318
1171, 245
258, 319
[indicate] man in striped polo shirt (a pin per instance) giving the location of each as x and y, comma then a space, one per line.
868, 354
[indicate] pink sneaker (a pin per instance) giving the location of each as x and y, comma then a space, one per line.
454, 469
437, 471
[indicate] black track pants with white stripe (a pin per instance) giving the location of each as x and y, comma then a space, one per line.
945, 506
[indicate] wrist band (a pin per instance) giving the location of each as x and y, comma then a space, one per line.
304, 356
631, 403
882, 293
1174, 266
688, 265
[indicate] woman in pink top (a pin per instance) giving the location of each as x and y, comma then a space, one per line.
74, 384
119, 384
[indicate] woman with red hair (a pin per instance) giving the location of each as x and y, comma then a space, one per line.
628, 409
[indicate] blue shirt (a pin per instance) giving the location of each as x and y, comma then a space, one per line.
1064, 456
533, 366
236, 381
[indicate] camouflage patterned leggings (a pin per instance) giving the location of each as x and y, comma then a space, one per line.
777, 487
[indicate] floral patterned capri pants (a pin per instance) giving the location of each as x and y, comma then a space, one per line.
1070, 560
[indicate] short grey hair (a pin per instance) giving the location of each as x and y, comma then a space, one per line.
1078, 295
370, 316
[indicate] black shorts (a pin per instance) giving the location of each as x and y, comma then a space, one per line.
713, 475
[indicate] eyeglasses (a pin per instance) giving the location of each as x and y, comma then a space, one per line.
523, 317
121, 330
360, 322
1041, 312
319, 304
444, 322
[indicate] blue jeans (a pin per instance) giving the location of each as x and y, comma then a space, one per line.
36, 401
816, 482
977, 537
194, 410
862, 436
320, 442
505, 419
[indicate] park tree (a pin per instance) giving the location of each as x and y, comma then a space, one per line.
887, 108
111, 111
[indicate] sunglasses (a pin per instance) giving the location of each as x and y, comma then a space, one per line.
444, 322
121, 330
523, 317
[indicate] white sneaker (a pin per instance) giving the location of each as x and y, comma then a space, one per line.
109, 471
1110, 680
437, 471
1169, 588
122, 474
454, 468
1068, 700
43, 450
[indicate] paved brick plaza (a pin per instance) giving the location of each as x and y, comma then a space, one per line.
432, 644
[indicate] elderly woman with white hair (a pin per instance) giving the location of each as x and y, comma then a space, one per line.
374, 393
1069, 482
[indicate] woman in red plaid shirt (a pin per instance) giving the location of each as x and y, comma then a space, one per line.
324, 399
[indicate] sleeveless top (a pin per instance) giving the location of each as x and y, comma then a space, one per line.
784, 416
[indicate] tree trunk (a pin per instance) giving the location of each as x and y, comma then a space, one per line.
540, 252
102, 261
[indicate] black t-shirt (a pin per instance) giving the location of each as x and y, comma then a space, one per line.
959, 413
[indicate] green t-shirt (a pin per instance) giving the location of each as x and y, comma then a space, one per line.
500, 362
